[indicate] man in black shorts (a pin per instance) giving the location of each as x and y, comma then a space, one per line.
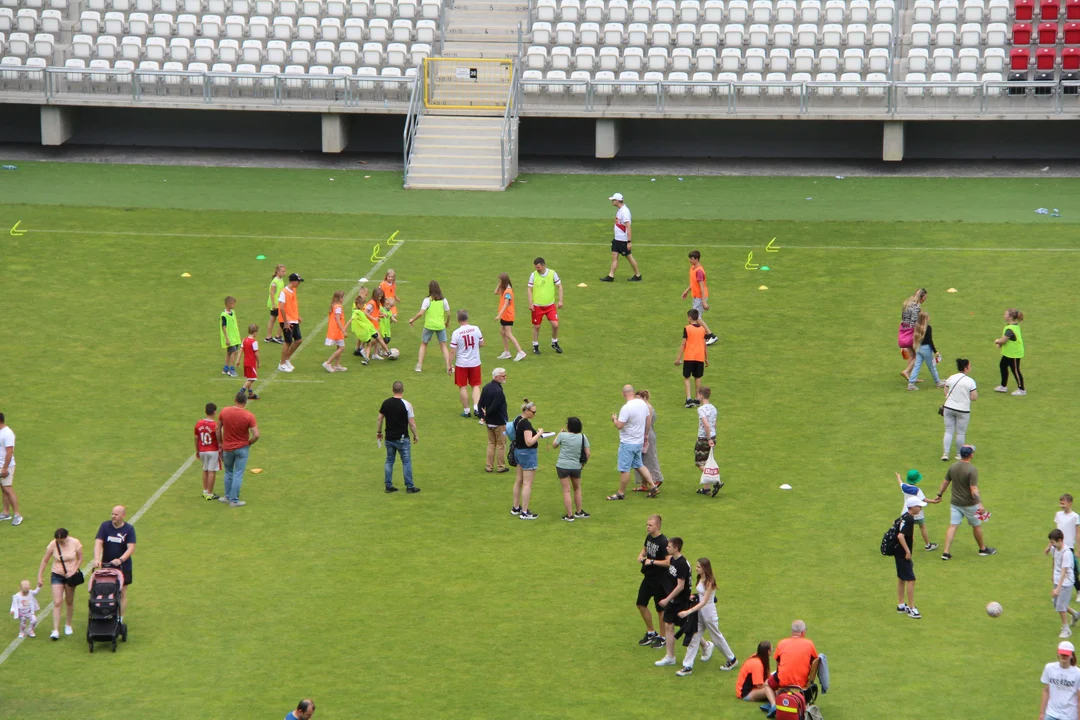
622, 241
114, 545
693, 355
654, 584
677, 599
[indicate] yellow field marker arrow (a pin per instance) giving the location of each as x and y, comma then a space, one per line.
769, 247
375, 254
750, 265
390, 241
15, 231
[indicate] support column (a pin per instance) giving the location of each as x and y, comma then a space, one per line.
57, 124
335, 132
607, 138
892, 145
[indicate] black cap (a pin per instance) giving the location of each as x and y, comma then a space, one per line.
295, 278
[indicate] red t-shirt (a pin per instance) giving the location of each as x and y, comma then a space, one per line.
235, 422
251, 346
206, 436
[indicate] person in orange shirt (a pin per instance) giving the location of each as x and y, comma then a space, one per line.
289, 319
373, 310
505, 316
389, 288
794, 657
693, 356
751, 685
335, 333
699, 293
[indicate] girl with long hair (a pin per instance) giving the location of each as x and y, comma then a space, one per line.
753, 682
1011, 343
505, 316
707, 622
649, 456
925, 352
277, 284
335, 333
909, 316
435, 309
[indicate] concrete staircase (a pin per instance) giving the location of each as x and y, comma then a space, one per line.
454, 152
485, 28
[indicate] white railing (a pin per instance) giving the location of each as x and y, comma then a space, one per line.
412, 122
508, 139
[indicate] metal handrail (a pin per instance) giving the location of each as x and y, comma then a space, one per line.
508, 136
412, 122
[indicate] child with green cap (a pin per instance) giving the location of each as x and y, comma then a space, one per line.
911, 487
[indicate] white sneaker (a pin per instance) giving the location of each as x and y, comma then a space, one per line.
328, 368
520, 356
17, 520
1019, 392
945, 457
282, 368
22, 635
419, 368
54, 635
1065, 632
505, 355
5, 516
707, 652
1001, 388
237, 503
288, 364
667, 660
68, 630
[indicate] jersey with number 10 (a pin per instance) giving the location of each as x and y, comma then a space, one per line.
466, 343
206, 435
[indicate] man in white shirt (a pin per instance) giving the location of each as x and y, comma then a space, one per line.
622, 241
1061, 686
960, 392
465, 344
7, 474
633, 423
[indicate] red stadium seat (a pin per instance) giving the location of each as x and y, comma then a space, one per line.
1019, 59
1048, 33
1072, 33
1025, 9
1049, 9
1045, 59
1072, 9
1021, 33
1070, 59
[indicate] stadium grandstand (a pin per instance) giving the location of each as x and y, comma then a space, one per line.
449, 83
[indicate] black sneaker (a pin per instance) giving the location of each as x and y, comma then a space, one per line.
946, 556
986, 551
658, 642
902, 609
697, 402
711, 339
556, 348
607, 278
391, 488
567, 518
703, 491
536, 349
716, 488
931, 546
581, 514
730, 664
252, 396
515, 510
526, 515
647, 639
357, 353
636, 278
689, 403
413, 490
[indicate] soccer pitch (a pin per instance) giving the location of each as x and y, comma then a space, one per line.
444, 605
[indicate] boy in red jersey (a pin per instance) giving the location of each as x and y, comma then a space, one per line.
251, 360
208, 451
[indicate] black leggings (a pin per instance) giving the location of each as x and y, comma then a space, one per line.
1013, 364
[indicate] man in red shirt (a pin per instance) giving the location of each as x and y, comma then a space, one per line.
237, 432
208, 451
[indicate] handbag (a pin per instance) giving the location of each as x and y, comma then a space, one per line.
511, 445
75, 580
905, 336
584, 458
941, 410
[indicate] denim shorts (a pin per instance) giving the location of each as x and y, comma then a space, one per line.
57, 579
629, 457
425, 337
527, 458
957, 515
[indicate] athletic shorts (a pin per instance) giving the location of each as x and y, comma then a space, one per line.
693, 368
1061, 602
232, 348
701, 451
251, 373
274, 312
697, 304
211, 461
567, 473
540, 312
291, 332
426, 335
6, 482
905, 569
629, 457
334, 343
651, 589
919, 521
621, 247
467, 376
506, 323
671, 613
957, 515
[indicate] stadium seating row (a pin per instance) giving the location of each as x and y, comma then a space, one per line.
388, 9
951, 11
1048, 33
1045, 59
1048, 9
706, 60
968, 35
715, 11
711, 35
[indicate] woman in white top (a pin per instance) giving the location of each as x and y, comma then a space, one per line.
960, 392
707, 620
69, 557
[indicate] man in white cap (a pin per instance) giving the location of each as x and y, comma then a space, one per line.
1061, 686
621, 243
905, 569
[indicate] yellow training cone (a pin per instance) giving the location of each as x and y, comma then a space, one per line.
763, 287
185, 275
951, 290
582, 285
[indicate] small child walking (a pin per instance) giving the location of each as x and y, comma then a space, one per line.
1064, 578
925, 352
335, 333
230, 337
251, 361
277, 284
911, 488
24, 608
505, 316
1011, 343
706, 436
389, 288
387, 316
208, 451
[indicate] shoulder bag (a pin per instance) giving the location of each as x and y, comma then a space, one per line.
941, 409
584, 458
75, 580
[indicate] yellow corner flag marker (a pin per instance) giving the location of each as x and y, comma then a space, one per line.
770, 248
185, 274
15, 231
749, 264
390, 240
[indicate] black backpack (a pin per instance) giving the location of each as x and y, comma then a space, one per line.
511, 444
889, 542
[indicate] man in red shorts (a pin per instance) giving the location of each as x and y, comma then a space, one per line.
465, 346
542, 285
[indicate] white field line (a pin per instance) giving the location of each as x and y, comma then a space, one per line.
754, 246
191, 459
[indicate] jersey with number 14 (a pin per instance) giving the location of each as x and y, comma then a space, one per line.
206, 435
466, 343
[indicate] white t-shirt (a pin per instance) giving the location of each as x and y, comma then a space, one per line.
554, 280
622, 222
1063, 563
634, 413
7, 440
708, 413
1066, 522
1063, 684
958, 391
914, 515
427, 303
466, 344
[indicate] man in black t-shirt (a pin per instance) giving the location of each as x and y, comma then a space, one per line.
398, 414
654, 584
114, 545
678, 597
905, 569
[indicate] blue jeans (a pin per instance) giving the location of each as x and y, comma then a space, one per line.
924, 356
402, 446
235, 462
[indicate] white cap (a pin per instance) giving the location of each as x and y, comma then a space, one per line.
1066, 647
914, 501
616, 196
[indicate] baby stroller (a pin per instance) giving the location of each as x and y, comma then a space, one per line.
104, 625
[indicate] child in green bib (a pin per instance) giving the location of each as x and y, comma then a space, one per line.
230, 337
436, 313
277, 284
1011, 343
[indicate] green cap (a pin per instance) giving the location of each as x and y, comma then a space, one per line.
913, 477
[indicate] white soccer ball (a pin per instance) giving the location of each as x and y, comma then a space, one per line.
994, 609
394, 353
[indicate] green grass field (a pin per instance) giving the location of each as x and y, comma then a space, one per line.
444, 605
